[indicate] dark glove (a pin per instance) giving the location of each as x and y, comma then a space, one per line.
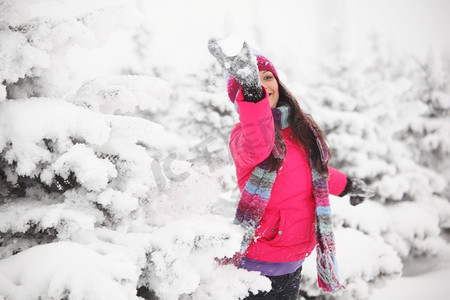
357, 190
241, 66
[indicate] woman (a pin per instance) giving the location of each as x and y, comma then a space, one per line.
281, 161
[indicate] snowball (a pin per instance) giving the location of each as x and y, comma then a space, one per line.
232, 45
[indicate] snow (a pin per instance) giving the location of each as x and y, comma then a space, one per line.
25, 58
64, 267
432, 283
45, 118
115, 171
123, 94
45, 212
91, 172
232, 45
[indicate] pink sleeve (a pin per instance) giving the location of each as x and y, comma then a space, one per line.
336, 182
252, 140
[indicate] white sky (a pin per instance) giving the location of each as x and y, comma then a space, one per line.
300, 29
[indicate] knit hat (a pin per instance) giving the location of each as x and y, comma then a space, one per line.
263, 65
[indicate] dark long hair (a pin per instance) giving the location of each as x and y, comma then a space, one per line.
298, 121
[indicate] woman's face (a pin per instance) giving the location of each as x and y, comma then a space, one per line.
270, 83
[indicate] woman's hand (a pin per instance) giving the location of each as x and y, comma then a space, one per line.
242, 66
358, 191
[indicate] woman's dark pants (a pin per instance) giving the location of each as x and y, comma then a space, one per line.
284, 287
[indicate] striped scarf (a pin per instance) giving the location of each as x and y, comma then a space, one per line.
256, 195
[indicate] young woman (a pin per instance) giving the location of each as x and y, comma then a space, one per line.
281, 161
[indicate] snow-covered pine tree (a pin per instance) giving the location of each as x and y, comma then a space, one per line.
82, 213
428, 128
202, 112
367, 106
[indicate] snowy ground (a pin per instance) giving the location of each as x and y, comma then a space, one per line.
428, 280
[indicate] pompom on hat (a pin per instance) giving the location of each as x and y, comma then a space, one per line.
263, 65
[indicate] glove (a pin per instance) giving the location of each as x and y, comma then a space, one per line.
355, 200
241, 66
358, 191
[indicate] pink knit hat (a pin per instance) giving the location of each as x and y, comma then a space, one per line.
263, 65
